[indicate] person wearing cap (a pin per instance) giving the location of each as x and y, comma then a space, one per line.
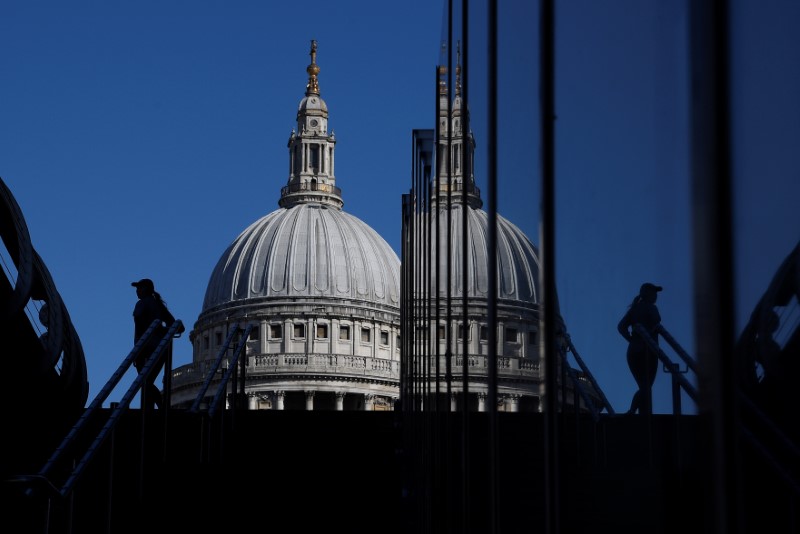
150, 307
642, 361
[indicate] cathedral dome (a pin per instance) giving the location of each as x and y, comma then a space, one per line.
310, 250
317, 290
517, 257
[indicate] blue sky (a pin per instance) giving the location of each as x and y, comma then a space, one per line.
140, 138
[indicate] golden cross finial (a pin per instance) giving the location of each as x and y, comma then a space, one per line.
313, 70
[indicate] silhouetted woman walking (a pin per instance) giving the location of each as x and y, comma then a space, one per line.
148, 308
642, 361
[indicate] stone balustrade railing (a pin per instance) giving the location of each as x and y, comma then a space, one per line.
340, 364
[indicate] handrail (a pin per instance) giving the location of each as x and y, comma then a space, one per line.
222, 387
581, 390
652, 345
213, 371
96, 404
42, 477
690, 363
123, 405
588, 373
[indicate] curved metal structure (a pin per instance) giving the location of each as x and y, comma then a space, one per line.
45, 359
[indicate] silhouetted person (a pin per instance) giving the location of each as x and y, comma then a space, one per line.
642, 361
150, 307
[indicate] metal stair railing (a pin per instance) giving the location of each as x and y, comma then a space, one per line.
207, 419
213, 371
71, 437
232, 364
589, 376
42, 480
124, 403
678, 379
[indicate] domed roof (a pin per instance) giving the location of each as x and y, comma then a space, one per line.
517, 257
309, 250
312, 105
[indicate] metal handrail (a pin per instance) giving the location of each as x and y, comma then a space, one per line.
123, 405
223, 385
42, 478
579, 387
96, 404
688, 360
588, 374
213, 371
652, 345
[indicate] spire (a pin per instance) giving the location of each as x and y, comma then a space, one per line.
311, 150
458, 68
313, 69
456, 151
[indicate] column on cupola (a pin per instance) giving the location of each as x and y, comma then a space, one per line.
252, 401
309, 400
339, 401
369, 402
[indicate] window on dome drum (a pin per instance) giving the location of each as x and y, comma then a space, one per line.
255, 333
512, 335
344, 332
365, 335
322, 331
205, 342
484, 333
384, 337
299, 330
275, 331
218, 338
398, 342
532, 338
461, 331
442, 332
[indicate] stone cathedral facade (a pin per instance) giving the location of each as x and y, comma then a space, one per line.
320, 287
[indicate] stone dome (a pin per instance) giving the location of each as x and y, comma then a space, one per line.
308, 251
312, 105
317, 288
518, 259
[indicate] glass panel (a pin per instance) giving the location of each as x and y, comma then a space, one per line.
765, 120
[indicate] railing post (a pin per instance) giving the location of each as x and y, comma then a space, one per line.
674, 369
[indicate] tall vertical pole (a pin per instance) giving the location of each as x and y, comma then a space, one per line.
465, 177
548, 271
714, 301
491, 149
